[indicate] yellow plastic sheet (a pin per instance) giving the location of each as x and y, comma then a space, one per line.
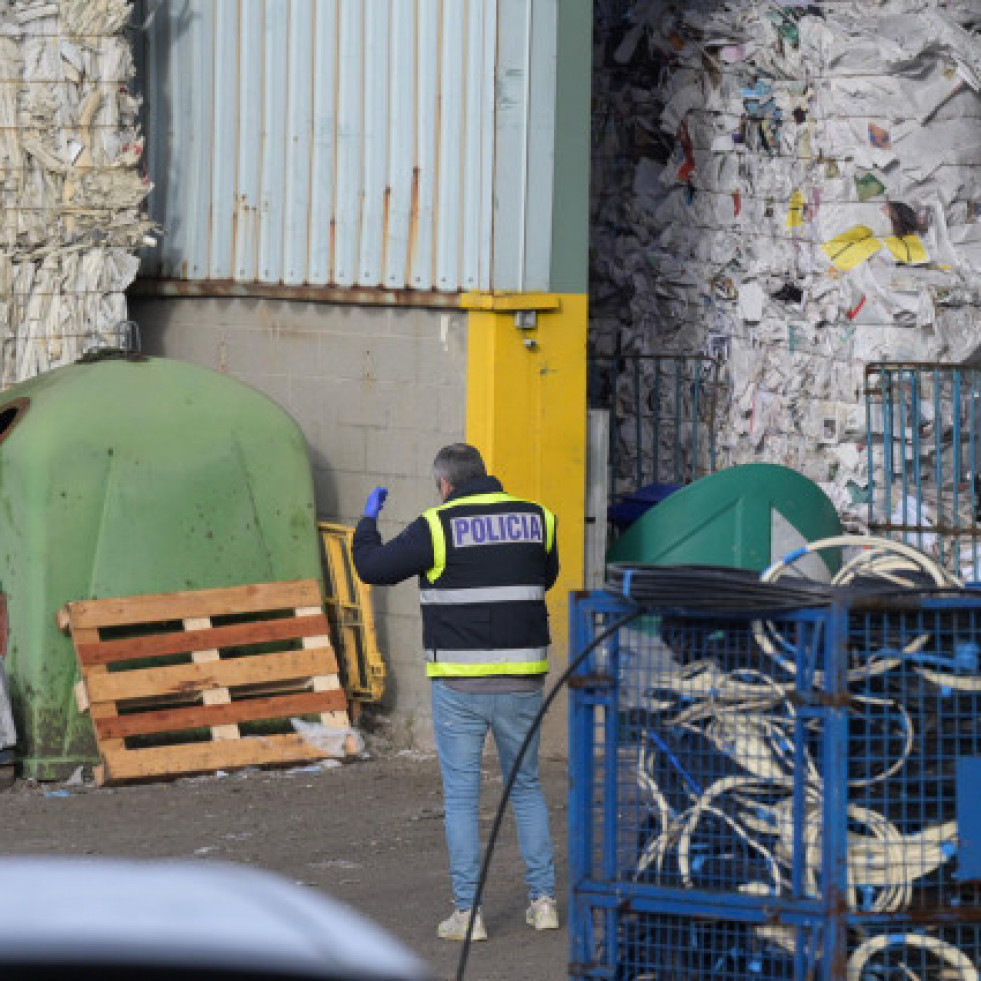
908, 248
852, 247
795, 214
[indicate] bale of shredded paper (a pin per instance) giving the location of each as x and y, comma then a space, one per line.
796, 186
71, 181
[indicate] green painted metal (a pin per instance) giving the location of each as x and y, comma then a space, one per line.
744, 517
569, 271
133, 476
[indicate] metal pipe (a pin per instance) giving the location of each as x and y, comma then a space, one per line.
868, 445
678, 381
694, 420
639, 469
657, 421
916, 412
970, 469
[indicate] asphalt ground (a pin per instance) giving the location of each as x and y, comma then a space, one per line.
368, 833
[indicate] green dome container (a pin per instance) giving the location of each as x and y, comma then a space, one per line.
131, 476
745, 517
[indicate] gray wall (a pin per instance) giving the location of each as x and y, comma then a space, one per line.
377, 391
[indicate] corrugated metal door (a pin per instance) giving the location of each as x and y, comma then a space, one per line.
369, 144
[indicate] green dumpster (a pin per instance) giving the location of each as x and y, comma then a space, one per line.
131, 476
745, 517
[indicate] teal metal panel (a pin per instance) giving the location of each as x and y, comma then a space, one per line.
452, 135
477, 170
350, 127
298, 145
570, 193
375, 142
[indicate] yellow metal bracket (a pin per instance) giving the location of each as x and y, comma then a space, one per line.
501, 302
350, 613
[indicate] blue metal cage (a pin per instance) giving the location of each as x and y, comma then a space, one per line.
789, 797
923, 445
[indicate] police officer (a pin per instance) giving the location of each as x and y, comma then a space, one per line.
484, 561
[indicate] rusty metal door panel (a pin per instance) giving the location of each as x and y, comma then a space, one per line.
357, 144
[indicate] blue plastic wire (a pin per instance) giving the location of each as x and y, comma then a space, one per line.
675, 762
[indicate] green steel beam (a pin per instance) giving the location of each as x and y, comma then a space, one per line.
570, 211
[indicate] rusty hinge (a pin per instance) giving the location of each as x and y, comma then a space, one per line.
591, 681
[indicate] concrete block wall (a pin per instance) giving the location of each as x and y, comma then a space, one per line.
376, 390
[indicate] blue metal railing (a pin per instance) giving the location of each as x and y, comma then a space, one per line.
664, 410
923, 437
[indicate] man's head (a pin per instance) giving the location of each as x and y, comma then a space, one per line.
455, 465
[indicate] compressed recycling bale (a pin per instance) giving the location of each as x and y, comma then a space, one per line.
796, 188
71, 186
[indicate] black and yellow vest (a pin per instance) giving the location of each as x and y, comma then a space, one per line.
483, 601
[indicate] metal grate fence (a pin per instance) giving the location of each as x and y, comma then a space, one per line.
782, 799
663, 417
923, 428
913, 787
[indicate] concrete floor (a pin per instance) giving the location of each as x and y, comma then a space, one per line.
369, 833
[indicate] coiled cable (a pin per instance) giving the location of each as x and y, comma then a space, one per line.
747, 715
759, 744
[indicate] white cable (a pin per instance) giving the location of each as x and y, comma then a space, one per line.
748, 716
876, 552
900, 761
957, 959
879, 558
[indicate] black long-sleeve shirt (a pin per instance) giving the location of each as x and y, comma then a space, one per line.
410, 553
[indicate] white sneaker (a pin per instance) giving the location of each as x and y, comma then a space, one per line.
455, 927
543, 914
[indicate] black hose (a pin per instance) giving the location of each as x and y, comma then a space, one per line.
714, 588
719, 589
502, 807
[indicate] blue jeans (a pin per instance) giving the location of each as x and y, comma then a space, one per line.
460, 721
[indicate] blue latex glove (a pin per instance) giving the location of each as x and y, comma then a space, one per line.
375, 502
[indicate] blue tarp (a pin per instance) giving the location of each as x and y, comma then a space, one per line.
631, 506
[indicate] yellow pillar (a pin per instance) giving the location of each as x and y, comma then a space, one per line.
526, 413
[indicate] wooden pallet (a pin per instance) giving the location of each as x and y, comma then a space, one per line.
194, 665
349, 607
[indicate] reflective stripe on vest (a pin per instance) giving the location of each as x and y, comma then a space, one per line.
447, 669
488, 594
476, 664
511, 655
439, 538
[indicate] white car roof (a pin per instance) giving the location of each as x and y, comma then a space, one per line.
205, 914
